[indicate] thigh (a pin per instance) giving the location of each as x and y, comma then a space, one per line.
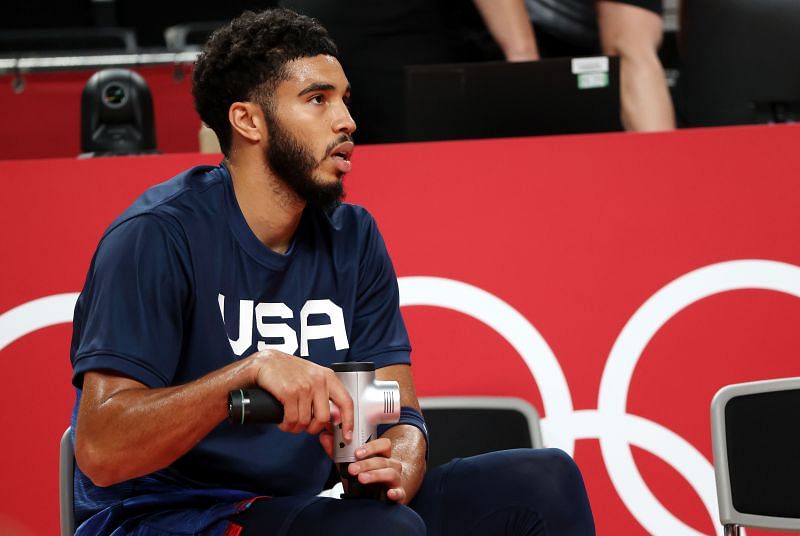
508, 492
656, 6
299, 516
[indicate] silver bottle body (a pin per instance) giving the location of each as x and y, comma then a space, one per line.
374, 402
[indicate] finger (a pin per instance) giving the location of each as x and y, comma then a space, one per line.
304, 412
373, 464
377, 447
289, 415
336, 416
321, 410
326, 440
387, 475
339, 395
296, 424
397, 495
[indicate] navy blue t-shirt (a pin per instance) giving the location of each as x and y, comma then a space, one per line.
180, 286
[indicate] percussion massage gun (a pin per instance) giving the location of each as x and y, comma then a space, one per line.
374, 402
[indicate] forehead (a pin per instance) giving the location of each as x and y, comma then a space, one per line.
322, 69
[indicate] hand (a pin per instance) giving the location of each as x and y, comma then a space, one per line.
326, 439
375, 465
304, 388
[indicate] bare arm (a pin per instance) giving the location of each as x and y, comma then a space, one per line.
511, 28
398, 457
125, 429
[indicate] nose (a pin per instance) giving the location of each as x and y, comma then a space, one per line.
344, 122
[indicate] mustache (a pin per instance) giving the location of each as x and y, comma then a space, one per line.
341, 139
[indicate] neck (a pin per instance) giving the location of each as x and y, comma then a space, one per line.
270, 207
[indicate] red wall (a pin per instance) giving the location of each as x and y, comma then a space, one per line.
573, 237
42, 119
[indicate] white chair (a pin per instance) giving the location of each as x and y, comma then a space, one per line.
755, 433
461, 426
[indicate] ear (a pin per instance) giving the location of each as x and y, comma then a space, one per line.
247, 120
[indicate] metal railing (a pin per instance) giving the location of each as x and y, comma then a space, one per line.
24, 65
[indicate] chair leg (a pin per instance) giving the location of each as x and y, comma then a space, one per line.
732, 530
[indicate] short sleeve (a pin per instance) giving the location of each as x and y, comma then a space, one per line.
379, 333
130, 315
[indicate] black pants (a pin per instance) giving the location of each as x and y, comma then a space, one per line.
514, 492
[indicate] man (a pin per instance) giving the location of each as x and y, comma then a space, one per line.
254, 274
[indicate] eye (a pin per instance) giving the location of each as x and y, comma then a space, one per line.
317, 99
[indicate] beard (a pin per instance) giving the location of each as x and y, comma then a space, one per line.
295, 164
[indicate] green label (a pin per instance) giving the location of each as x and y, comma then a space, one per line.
592, 80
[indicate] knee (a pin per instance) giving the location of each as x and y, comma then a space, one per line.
402, 521
523, 469
542, 474
560, 465
546, 481
537, 462
629, 31
559, 474
633, 50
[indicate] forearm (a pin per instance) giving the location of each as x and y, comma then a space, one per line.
126, 430
408, 447
508, 22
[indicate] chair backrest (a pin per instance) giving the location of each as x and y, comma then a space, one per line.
470, 425
66, 465
189, 35
756, 437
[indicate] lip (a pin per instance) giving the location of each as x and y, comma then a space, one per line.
343, 150
341, 155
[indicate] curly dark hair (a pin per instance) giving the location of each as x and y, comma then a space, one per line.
246, 59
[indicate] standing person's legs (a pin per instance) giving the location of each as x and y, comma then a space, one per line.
634, 34
522, 492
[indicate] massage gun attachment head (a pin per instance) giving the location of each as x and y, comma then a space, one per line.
374, 402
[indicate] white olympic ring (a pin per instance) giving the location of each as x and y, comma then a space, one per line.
35, 315
610, 423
